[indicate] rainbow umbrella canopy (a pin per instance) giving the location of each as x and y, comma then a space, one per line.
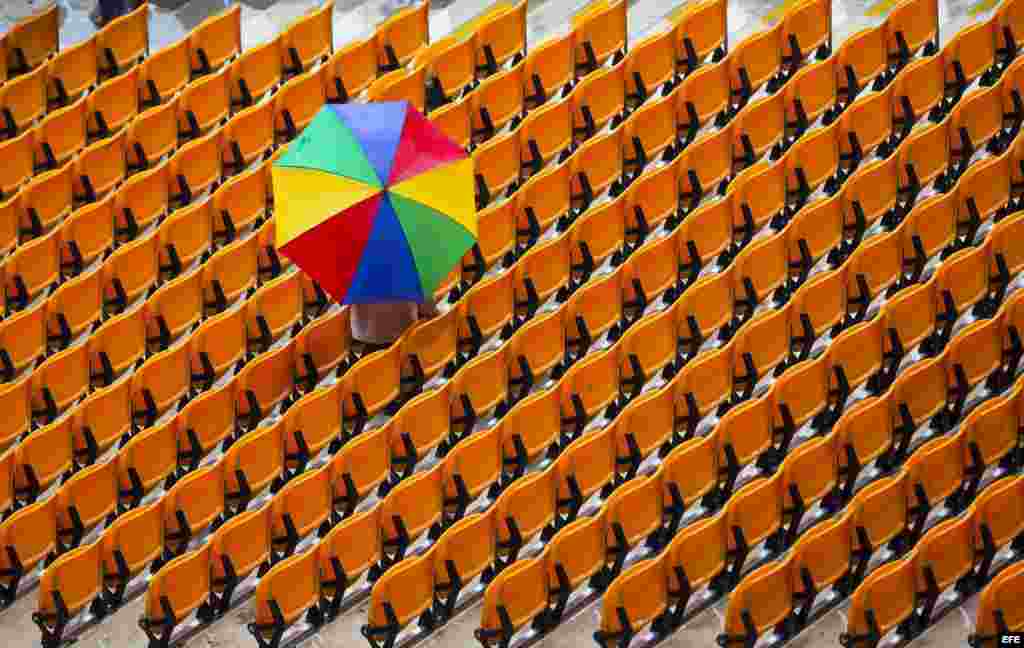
374, 203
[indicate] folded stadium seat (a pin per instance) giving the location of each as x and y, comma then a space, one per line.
761, 350
874, 272
20, 154
872, 615
848, 370
975, 123
32, 270
428, 348
809, 477
22, 102
23, 340
195, 168
130, 273
308, 40
761, 601
72, 73
151, 136
348, 551
68, 586
297, 102
969, 292
810, 95
979, 201
600, 33
540, 355
123, 42
541, 273
648, 133
240, 203
928, 231
255, 73
701, 97
399, 38
178, 589
116, 345
173, 310
546, 133
491, 305
83, 502
349, 71
99, 168
650, 68
474, 395
592, 311
460, 555
237, 549
800, 397
207, 420
326, 341
651, 272
87, 235
31, 41
163, 74
28, 536
219, 343
216, 41
1004, 236
497, 102
454, 121
596, 167
496, 162
297, 510
645, 426
142, 200
599, 99
112, 105
699, 33
744, 434
923, 160
1007, 27
189, 508
912, 27
812, 234
357, 470
285, 593
160, 384
865, 126
806, 28
247, 137
450, 70
185, 238
601, 232
758, 129
637, 597
870, 195
273, 310
40, 460
127, 547
75, 307
861, 61
709, 302
408, 511
204, 104
515, 597
759, 198
549, 70
589, 387
468, 470
996, 613
998, 516
501, 37
756, 62
263, 383
760, 277
308, 427
521, 512
102, 419
812, 163
14, 395
369, 388
401, 85
44, 202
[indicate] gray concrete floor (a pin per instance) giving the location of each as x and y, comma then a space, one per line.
171, 19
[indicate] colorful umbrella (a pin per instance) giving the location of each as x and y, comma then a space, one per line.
374, 203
